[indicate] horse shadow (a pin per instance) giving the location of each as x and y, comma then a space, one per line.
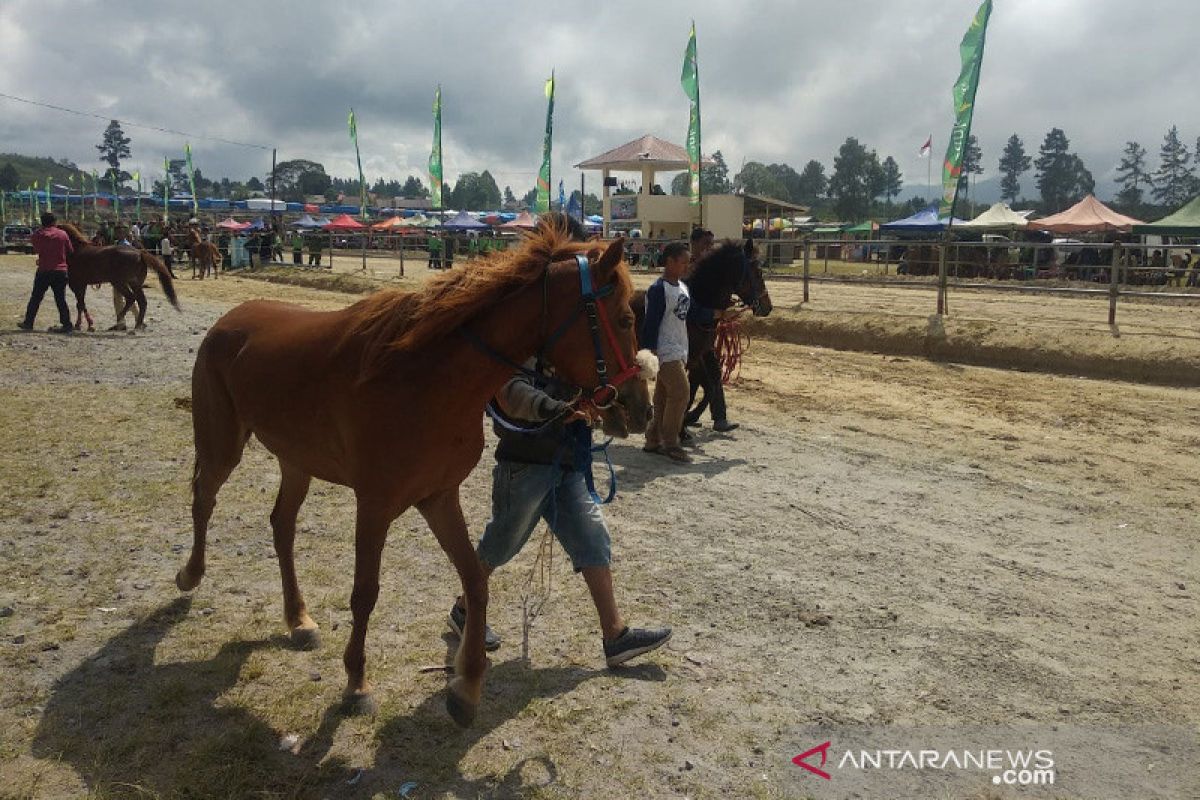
125, 723
636, 469
128, 725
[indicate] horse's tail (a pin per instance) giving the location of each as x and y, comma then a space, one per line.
164, 276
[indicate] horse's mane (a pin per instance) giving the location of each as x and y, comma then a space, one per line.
395, 321
716, 271
73, 233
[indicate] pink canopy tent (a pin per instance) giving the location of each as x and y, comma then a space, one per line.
524, 220
344, 222
232, 224
388, 224
1089, 215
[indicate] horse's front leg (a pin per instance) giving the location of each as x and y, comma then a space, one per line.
369, 535
444, 515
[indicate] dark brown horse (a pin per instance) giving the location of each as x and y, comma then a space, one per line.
387, 397
124, 267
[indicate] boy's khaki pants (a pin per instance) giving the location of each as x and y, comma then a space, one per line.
670, 403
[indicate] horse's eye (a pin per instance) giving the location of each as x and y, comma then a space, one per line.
626, 323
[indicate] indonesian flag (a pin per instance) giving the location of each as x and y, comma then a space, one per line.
926, 148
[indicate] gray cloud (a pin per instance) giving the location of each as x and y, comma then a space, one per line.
780, 81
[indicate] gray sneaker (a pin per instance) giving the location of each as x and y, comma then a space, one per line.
634, 642
458, 621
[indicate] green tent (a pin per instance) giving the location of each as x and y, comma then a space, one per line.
1184, 222
870, 226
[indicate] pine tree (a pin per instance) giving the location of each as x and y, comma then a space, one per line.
813, 183
1013, 162
113, 148
893, 180
1131, 174
1062, 178
1174, 178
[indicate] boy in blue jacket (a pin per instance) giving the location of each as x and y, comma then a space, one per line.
664, 332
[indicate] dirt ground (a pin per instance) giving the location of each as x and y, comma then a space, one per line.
886, 542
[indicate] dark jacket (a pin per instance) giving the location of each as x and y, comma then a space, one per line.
656, 306
529, 404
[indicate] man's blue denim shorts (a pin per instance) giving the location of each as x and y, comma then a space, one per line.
525, 494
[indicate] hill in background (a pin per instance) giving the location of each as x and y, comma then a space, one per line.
38, 168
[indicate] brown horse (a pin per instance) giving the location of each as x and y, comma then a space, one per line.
205, 257
124, 267
387, 397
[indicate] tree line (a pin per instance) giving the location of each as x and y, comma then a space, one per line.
851, 193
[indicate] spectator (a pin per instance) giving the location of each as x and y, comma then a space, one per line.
664, 332
52, 246
297, 248
167, 251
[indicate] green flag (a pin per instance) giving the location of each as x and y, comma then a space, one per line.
95, 197
691, 87
362, 186
49, 205
435, 156
116, 196
971, 51
137, 178
37, 206
187, 152
542, 202
166, 189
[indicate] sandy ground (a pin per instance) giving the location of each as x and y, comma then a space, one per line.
886, 542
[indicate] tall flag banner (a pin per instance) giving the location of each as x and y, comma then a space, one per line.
116, 195
691, 87
137, 177
166, 188
971, 51
542, 203
435, 155
187, 154
562, 197
49, 205
95, 197
3, 216
926, 148
37, 206
362, 186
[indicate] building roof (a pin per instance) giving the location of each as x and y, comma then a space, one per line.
757, 206
646, 151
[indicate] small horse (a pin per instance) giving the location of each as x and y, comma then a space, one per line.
386, 397
124, 267
204, 257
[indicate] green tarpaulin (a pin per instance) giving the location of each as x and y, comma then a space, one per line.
1184, 222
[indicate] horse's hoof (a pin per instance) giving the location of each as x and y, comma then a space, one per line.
359, 704
306, 638
185, 581
120, 326
139, 327
461, 710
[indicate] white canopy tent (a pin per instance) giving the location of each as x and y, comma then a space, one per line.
997, 218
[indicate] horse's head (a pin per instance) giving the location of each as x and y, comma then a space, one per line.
752, 289
592, 342
73, 233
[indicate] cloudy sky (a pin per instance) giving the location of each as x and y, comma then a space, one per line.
780, 81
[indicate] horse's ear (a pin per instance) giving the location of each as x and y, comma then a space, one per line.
609, 260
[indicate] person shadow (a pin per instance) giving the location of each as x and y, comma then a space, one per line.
131, 727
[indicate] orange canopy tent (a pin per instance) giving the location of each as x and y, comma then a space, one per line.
1089, 215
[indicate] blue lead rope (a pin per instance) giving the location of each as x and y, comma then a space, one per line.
582, 451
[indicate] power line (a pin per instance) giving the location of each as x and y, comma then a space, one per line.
132, 124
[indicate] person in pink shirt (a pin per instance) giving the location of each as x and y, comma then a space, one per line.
52, 246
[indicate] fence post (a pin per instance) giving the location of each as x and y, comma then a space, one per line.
400, 239
941, 287
805, 241
1114, 285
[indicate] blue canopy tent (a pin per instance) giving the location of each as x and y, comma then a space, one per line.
924, 221
257, 225
308, 222
464, 222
